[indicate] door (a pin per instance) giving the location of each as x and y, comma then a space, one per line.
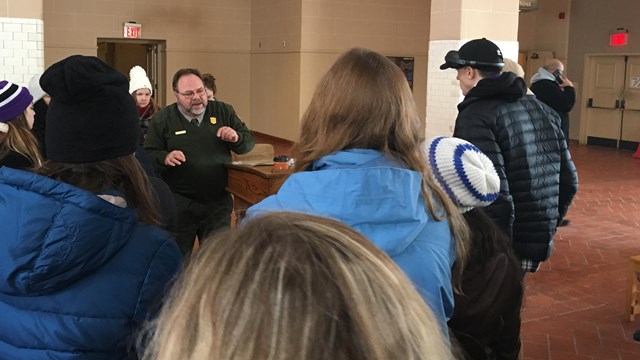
630, 133
604, 113
153, 72
123, 54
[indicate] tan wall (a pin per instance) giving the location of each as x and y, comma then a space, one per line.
275, 85
214, 37
591, 23
294, 42
542, 29
392, 28
275, 67
24, 9
526, 30
471, 19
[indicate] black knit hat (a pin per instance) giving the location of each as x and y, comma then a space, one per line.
91, 117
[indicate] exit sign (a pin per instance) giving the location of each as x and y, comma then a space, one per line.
132, 30
618, 37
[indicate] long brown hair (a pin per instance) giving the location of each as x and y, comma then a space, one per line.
364, 101
291, 286
20, 139
123, 174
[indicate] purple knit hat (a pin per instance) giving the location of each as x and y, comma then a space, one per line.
14, 99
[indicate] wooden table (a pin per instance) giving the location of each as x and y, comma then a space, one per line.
250, 184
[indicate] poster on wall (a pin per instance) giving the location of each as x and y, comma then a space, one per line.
406, 65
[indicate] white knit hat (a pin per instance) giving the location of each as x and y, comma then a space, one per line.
465, 174
34, 88
138, 80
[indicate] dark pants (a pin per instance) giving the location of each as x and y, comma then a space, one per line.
195, 218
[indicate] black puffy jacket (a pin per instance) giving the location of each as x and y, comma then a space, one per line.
522, 137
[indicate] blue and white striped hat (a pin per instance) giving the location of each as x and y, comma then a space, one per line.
465, 174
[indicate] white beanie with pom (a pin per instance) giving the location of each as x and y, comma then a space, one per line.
466, 175
35, 89
138, 80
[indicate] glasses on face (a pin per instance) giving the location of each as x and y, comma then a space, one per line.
191, 94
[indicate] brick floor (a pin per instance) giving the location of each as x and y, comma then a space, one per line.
574, 305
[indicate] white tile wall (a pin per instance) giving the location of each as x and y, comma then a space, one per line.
443, 91
21, 49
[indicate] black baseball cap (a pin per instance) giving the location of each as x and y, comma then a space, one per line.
478, 53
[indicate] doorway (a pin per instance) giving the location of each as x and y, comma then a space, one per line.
123, 54
613, 101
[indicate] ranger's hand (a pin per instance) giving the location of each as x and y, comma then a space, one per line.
227, 134
176, 157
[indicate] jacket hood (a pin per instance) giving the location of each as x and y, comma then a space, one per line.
366, 189
542, 74
53, 233
506, 87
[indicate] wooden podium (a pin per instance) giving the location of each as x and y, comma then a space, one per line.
250, 184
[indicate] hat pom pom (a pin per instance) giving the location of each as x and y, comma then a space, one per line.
137, 72
138, 80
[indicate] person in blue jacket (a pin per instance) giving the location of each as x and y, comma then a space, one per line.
82, 261
358, 160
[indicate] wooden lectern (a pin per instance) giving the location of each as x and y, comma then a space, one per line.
250, 184
251, 178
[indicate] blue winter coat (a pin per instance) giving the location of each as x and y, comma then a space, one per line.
77, 273
382, 199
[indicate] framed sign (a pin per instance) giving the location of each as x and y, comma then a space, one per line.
406, 66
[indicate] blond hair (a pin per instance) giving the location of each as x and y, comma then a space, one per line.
513, 66
293, 286
364, 101
21, 140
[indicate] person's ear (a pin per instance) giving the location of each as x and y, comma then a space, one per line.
468, 72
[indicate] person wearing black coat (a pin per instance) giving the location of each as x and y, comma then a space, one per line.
552, 87
523, 138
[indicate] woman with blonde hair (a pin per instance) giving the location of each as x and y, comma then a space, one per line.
514, 67
18, 146
358, 160
294, 286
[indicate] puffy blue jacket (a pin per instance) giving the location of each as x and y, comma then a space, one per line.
77, 273
380, 198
